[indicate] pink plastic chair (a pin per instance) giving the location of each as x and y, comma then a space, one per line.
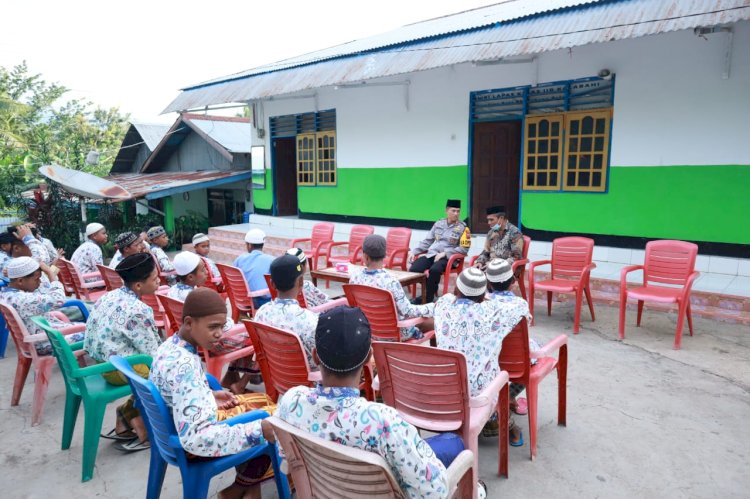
213, 281
159, 316
111, 278
214, 363
354, 251
429, 387
380, 309
667, 262
27, 357
89, 291
515, 359
240, 296
163, 276
282, 359
322, 236
321, 468
519, 266
455, 266
66, 279
397, 247
571, 268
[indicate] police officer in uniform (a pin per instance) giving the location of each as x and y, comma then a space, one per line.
447, 237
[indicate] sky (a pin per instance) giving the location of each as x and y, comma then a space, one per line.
137, 54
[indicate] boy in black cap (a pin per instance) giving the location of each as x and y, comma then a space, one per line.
504, 240
447, 237
335, 411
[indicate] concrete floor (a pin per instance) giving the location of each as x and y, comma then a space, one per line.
643, 421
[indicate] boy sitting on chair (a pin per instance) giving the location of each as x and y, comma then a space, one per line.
198, 411
202, 246
313, 296
335, 411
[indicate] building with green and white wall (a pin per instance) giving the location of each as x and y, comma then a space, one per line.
622, 120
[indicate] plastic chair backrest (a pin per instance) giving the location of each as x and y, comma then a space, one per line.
17, 330
357, 237
65, 277
75, 277
379, 308
424, 384
398, 238
321, 233
112, 279
526, 245
514, 355
321, 468
64, 355
669, 262
281, 356
274, 292
235, 285
173, 311
570, 255
152, 301
159, 417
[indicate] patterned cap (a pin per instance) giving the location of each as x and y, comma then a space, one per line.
472, 282
200, 238
343, 339
299, 253
93, 228
155, 232
499, 270
21, 267
125, 239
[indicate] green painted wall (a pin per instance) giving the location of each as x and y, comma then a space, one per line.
263, 198
699, 203
417, 193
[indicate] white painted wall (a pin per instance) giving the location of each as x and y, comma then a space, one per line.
671, 105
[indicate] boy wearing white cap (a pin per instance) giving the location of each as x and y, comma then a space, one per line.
26, 296
202, 246
88, 255
255, 264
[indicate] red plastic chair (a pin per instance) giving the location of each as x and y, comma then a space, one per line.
515, 359
163, 276
213, 281
571, 268
214, 363
282, 359
429, 387
111, 278
354, 251
666, 262
66, 279
397, 247
160, 316
380, 309
27, 357
89, 291
455, 259
517, 264
322, 236
240, 296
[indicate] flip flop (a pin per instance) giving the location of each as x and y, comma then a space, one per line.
114, 435
133, 445
518, 443
522, 406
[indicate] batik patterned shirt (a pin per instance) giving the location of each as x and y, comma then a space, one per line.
476, 330
213, 269
516, 301
286, 314
502, 243
178, 374
121, 324
38, 251
313, 296
165, 264
5, 258
381, 278
116, 260
51, 250
341, 415
40, 302
180, 291
86, 257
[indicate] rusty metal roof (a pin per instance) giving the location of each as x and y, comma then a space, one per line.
484, 34
139, 135
159, 185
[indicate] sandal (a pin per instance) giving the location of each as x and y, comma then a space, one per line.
133, 445
522, 406
124, 436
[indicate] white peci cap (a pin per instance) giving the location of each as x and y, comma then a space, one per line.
255, 236
186, 262
93, 228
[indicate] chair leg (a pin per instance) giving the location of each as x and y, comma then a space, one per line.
22, 372
156, 471
195, 485
587, 291
623, 308
522, 286
503, 440
562, 382
92, 428
640, 313
549, 302
532, 399
577, 316
689, 317
531, 301
680, 324
41, 384
72, 403
473, 441
282, 483
3, 337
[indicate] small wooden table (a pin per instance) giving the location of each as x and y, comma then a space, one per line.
405, 278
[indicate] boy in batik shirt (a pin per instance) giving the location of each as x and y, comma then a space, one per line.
89, 254
159, 240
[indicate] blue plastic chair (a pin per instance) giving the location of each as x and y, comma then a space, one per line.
4, 333
196, 475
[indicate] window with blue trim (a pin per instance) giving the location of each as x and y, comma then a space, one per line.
315, 135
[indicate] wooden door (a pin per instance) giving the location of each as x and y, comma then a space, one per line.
285, 176
496, 152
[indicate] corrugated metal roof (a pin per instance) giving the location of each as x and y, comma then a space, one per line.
234, 136
588, 23
157, 185
151, 133
137, 136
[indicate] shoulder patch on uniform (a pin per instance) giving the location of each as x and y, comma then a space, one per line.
466, 238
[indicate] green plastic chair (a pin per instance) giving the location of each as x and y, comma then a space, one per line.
85, 384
